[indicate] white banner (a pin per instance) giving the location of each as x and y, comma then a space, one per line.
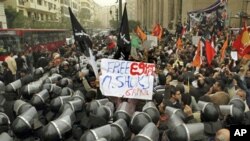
153, 39
127, 79
234, 55
195, 40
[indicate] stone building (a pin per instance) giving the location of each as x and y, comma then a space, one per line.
169, 12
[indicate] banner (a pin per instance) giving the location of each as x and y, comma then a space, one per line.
80, 35
127, 79
83, 40
153, 39
123, 39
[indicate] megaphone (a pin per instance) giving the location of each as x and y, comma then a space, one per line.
138, 121
19, 83
5, 137
22, 125
237, 102
21, 106
209, 113
53, 78
124, 111
119, 130
237, 115
152, 111
38, 100
187, 132
97, 133
149, 133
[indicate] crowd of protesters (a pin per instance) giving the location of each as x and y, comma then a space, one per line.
178, 84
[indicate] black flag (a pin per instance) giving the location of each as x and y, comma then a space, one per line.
123, 39
80, 35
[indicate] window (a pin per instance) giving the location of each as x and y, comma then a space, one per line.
50, 6
75, 5
67, 2
21, 2
9, 43
29, 14
39, 2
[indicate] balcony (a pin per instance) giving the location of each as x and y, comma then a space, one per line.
29, 5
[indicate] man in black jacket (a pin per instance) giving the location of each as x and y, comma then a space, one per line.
7, 76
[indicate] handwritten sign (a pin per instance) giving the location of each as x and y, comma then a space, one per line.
127, 79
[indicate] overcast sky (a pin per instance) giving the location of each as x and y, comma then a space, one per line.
106, 2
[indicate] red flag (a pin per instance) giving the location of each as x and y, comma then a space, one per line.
197, 61
157, 31
179, 43
242, 42
140, 33
209, 51
238, 45
223, 49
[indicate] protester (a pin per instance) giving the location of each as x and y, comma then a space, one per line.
11, 64
194, 92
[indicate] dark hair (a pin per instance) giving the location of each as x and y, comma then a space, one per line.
158, 98
90, 95
186, 99
162, 79
221, 84
172, 90
180, 78
180, 87
200, 83
4, 64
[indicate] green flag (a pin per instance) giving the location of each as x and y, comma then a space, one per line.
135, 41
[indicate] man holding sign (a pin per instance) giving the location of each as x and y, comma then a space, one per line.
127, 79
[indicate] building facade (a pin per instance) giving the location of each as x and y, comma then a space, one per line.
132, 9
87, 12
169, 12
73, 4
3, 23
40, 10
45, 10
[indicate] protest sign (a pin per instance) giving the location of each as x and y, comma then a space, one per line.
127, 79
153, 39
